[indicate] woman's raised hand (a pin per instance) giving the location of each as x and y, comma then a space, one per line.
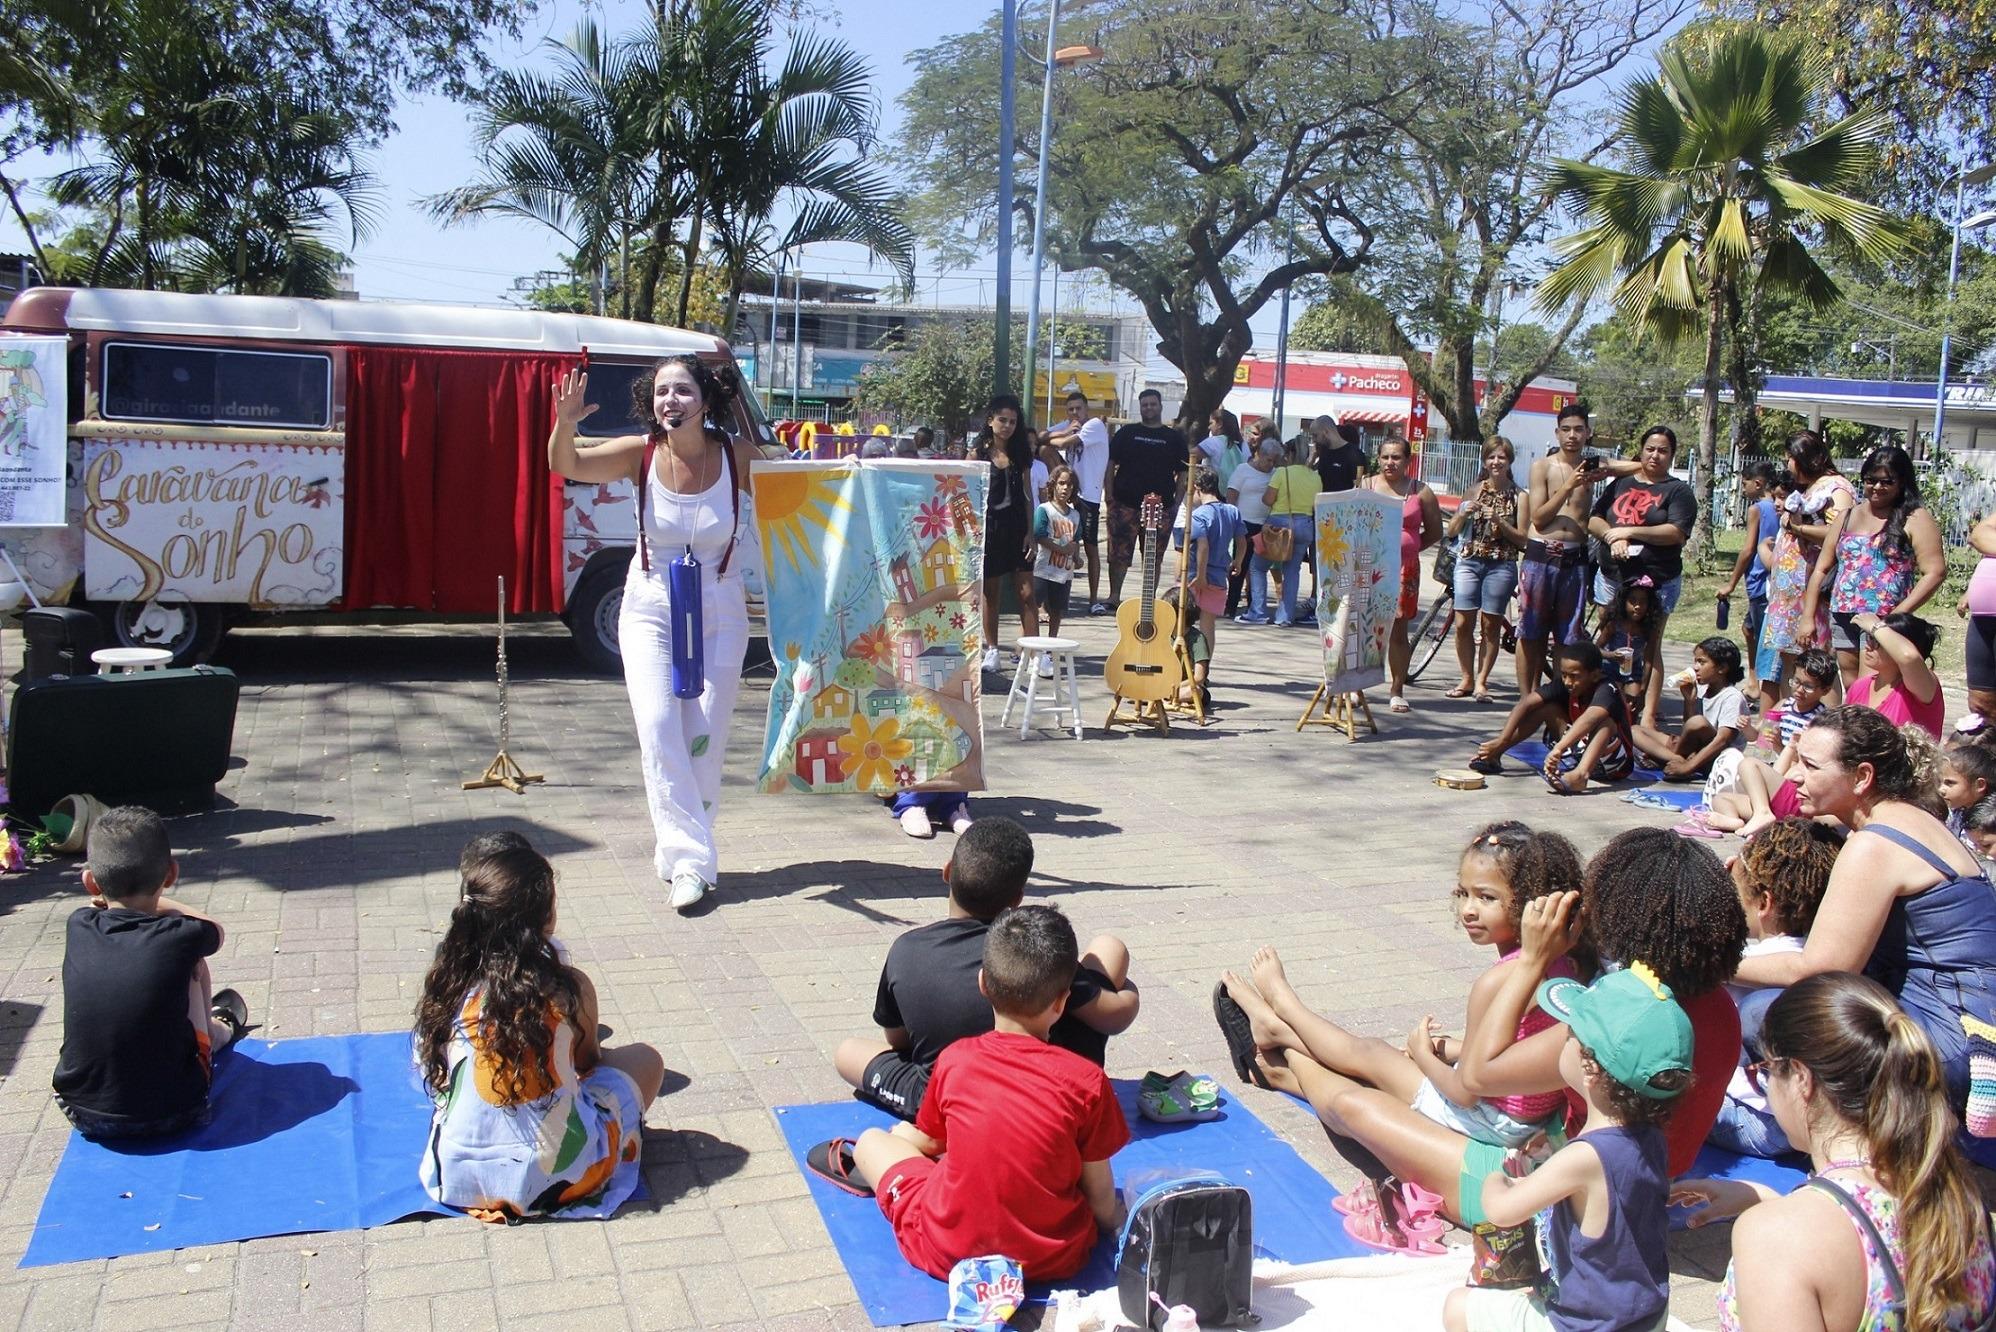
1551, 928
569, 391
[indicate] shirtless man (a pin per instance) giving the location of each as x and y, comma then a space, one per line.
1552, 581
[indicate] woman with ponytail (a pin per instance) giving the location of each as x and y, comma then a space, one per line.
1891, 1235
695, 537
506, 1038
1907, 905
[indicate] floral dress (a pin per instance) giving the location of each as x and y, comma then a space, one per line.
1873, 574
1794, 560
572, 1149
1879, 1314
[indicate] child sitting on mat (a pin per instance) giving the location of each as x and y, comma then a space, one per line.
533, 1116
1588, 712
928, 995
1769, 793
1010, 1154
1629, 1054
1781, 876
140, 1028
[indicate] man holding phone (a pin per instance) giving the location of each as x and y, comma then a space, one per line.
1552, 581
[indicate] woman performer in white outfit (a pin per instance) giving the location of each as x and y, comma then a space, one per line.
692, 504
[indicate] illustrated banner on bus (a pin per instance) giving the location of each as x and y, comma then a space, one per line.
212, 522
33, 400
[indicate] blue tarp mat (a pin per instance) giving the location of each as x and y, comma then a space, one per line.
1532, 753
1783, 1176
1293, 1218
317, 1134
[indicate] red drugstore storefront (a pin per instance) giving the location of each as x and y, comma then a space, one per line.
1377, 394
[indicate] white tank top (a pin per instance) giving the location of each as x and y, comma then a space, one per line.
704, 521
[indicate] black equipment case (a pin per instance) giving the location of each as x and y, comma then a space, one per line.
155, 738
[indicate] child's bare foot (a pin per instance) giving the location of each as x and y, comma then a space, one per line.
1274, 1066
1270, 1032
1755, 824
1273, 982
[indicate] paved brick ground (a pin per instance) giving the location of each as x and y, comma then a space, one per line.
331, 860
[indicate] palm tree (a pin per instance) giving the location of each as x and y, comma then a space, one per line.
1726, 189
574, 152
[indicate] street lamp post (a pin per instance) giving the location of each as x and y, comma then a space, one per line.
1001, 356
1056, 59
1962, 180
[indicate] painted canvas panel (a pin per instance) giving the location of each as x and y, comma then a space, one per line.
1358, 584
34, 395
872, 573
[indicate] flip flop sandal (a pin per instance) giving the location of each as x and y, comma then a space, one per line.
1556, 782
1459, 692
1699, 831
1483, 696
832, 1162
1239, 1035
1178, 1098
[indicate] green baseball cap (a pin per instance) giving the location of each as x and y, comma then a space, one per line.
1630, 1021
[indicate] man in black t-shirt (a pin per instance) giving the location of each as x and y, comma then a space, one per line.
1642, 522
1587, 711
928, 994
1336, 455
1146, 457
140, 1028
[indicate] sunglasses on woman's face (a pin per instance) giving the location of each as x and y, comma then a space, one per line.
1761, 1072
1879, 483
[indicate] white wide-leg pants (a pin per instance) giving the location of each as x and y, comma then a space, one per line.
681, 740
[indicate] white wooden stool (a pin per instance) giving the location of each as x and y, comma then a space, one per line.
1026, 684
119, 660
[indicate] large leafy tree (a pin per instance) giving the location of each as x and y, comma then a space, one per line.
1727, 185
1179, 159
1459, 214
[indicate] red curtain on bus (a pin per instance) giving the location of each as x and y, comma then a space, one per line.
447, 482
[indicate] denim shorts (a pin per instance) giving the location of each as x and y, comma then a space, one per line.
1484, 585
1666, 593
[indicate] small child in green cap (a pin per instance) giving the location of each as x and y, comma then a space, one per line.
1628, 1052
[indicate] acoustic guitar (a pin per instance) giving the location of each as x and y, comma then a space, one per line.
1144, 667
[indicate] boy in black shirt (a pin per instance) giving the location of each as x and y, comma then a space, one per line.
139, 1026
1589, 713
928, 995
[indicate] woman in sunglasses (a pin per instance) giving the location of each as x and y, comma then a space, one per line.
1890, 1233
1882, 556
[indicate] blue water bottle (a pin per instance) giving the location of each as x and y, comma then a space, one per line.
689, 676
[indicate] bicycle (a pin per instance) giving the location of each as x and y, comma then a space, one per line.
1438, 625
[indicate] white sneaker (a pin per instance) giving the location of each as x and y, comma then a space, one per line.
960, 823
991, 659
687, 890
1046, 665
915, 822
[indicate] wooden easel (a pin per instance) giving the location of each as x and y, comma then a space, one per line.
503, 771
1154, 714
1339, 711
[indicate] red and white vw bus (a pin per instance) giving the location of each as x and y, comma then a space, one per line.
237, 455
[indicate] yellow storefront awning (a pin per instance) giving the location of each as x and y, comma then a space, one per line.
1098, 385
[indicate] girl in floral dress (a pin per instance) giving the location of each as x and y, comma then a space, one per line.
1821, 498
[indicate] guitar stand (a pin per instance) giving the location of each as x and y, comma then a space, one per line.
1154, 715
1340, 712
503, 771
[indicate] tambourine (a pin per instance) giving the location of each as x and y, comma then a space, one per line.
1459, 779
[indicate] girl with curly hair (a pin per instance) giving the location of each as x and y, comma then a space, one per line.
1505, 866
533, 1116
1891, 1232
695, 538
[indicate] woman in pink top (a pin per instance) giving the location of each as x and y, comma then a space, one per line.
1979, 605
1897, 677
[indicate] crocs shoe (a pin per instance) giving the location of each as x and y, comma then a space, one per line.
227, 1007
1178, 1098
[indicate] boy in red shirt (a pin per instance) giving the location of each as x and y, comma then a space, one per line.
1010, 1152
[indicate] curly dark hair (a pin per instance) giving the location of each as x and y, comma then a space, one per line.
1905, 761
719, 386
1789, 862
1652, 896
497, 944
1630, 1106
1534, 863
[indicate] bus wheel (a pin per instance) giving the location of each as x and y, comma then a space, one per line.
191, 631
592, 613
